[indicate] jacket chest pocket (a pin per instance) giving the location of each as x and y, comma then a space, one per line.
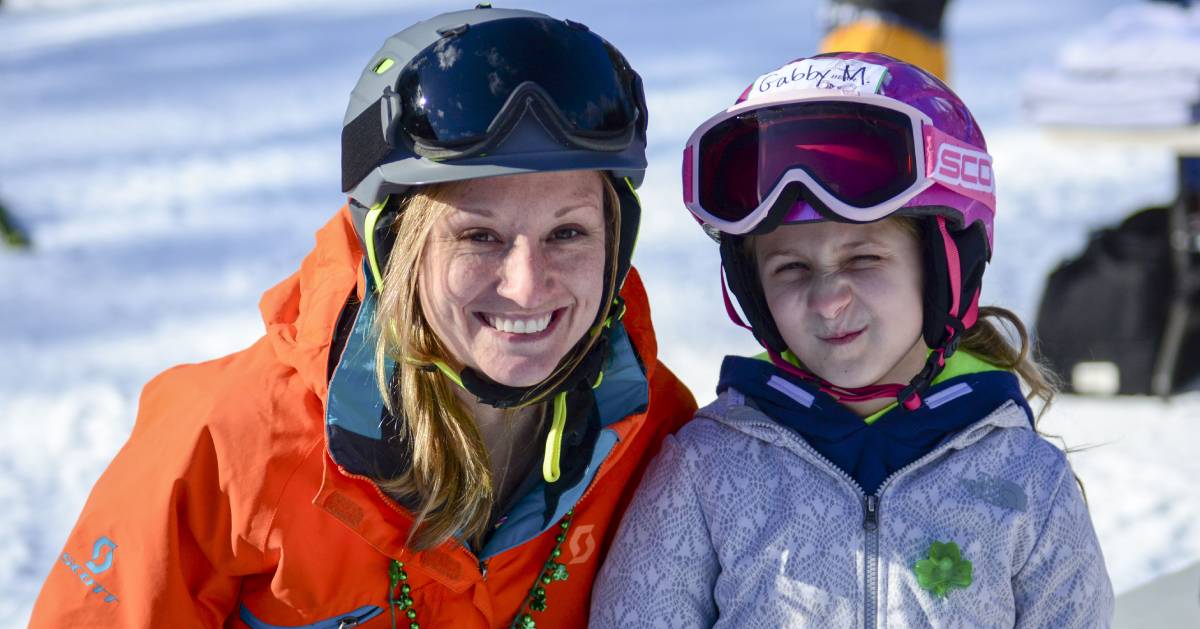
349, 619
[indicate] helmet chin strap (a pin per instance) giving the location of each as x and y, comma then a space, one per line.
551, 461
498, 395
850, 394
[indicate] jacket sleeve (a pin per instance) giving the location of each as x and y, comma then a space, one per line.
157, 538
661, 569
1063, 582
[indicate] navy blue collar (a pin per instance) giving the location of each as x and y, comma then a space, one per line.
869, 453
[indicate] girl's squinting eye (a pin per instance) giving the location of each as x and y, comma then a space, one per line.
791, 266
865, 259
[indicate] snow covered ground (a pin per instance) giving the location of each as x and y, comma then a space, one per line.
172, 160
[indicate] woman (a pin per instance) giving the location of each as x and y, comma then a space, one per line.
456, 393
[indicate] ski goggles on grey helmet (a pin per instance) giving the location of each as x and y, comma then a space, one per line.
459, 96
454, 92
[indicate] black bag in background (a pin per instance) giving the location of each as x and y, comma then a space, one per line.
1110, 305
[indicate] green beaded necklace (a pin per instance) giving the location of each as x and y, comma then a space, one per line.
535, 601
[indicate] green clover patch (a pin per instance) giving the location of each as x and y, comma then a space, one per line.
943, 570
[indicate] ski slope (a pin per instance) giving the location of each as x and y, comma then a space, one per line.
172, 160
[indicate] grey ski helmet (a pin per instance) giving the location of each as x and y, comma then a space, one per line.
382, 154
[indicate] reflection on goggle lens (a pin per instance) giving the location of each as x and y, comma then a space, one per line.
454, 90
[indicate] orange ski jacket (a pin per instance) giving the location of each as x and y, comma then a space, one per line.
243, 498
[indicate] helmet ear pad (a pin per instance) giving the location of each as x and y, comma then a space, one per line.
741, 274
630, 208
968, 248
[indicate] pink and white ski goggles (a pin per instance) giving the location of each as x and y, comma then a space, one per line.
861, 157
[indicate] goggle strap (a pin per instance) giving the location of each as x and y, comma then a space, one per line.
688, 167
958, 166
364, 145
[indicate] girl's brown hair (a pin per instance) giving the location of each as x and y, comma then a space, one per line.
448, 480
988, 340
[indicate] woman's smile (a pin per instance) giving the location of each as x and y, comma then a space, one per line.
522, 327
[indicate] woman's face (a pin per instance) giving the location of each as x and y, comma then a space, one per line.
512, 276
846, 298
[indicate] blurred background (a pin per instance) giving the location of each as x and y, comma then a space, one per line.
164, 162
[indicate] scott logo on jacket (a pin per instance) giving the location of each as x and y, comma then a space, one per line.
103, 553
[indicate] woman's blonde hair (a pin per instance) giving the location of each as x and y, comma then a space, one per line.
448, 481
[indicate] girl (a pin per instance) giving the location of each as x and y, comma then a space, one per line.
456, 394
878, 466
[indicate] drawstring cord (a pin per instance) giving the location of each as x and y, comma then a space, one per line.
550, 462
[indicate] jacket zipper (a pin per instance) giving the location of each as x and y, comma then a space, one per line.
346, 622
341, 621
870, 524
870, 559
871, 506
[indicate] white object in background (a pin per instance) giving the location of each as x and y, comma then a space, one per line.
1096, 378
1118, 116
1171, 600
1140, 85
1144, 37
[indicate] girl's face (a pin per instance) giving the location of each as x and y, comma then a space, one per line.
846, 298
512, 276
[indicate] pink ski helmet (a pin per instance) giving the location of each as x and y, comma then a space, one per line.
853, 137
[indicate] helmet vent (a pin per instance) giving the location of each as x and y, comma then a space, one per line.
383, 65
453, 31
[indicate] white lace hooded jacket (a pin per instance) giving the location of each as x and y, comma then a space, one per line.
740, 523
